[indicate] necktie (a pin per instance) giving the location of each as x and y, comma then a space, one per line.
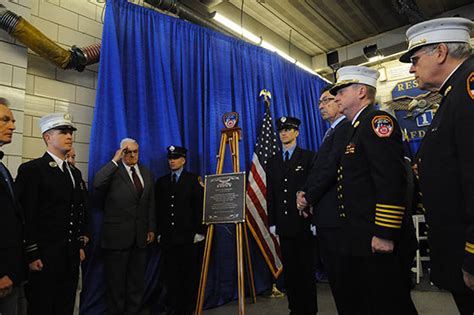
173, 178
136, 181
287, 156
328, 133
66, 173
6, 178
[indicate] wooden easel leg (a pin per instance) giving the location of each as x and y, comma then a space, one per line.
240, 269
235, 152
250, 278
204, 269
220, 157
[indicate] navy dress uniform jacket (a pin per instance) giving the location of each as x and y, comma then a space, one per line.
372, 186
11, 233
54, 210
446, 170
284, 179
179, 208
320, 187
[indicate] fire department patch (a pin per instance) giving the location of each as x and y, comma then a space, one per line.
382, 125
470, 85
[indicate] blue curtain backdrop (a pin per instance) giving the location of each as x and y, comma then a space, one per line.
166, 81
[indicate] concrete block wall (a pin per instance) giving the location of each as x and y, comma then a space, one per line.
13, 65
35, 87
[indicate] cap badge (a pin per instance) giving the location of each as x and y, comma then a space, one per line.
283, 119
172, 148
67, 116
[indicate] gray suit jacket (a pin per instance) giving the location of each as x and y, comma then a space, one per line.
127, 216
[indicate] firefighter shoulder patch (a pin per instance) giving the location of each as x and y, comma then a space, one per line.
382, 126
470, 85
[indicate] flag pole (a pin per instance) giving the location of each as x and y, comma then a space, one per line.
275, 293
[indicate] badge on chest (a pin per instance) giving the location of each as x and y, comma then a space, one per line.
299, 168
350, 148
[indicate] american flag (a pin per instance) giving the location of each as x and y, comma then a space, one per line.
256, 202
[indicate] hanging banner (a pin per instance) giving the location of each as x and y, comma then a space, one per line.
414, 109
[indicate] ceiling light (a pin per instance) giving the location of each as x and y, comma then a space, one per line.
259, 41
237, 28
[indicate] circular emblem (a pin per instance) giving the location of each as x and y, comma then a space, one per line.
382, 126
422, 103
172, 148
283, 119
67, 116
53, 164
230, 119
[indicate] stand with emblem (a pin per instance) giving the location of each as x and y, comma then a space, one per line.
230, 136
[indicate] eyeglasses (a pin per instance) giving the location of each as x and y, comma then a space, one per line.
415, 58
130, 152
325, 100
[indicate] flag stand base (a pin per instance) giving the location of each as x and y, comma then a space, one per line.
275, 294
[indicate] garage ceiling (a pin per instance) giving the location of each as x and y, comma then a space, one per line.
320, 26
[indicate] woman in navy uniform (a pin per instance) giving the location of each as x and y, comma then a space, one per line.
286, 174
51, 194
179, 198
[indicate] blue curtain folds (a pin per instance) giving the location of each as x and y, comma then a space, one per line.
166, 81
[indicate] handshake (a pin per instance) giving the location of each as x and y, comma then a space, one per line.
302, 205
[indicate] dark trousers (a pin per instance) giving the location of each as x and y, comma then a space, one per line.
180, 267
464, 301
329, 242
375, 285
53, 289
124, 279
9, 304
300, 282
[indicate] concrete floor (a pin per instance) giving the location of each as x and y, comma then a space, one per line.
428, 301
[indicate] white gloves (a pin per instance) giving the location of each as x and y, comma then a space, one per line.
273, 230
198, 238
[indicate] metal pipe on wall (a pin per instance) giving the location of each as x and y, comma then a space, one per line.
77, 58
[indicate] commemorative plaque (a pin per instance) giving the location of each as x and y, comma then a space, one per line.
224, 198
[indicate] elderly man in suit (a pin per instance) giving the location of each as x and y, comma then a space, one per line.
11, 219
320, 188
129, 225
286, 174
179, 198
52, 197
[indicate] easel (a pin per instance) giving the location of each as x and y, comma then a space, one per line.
230, 136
